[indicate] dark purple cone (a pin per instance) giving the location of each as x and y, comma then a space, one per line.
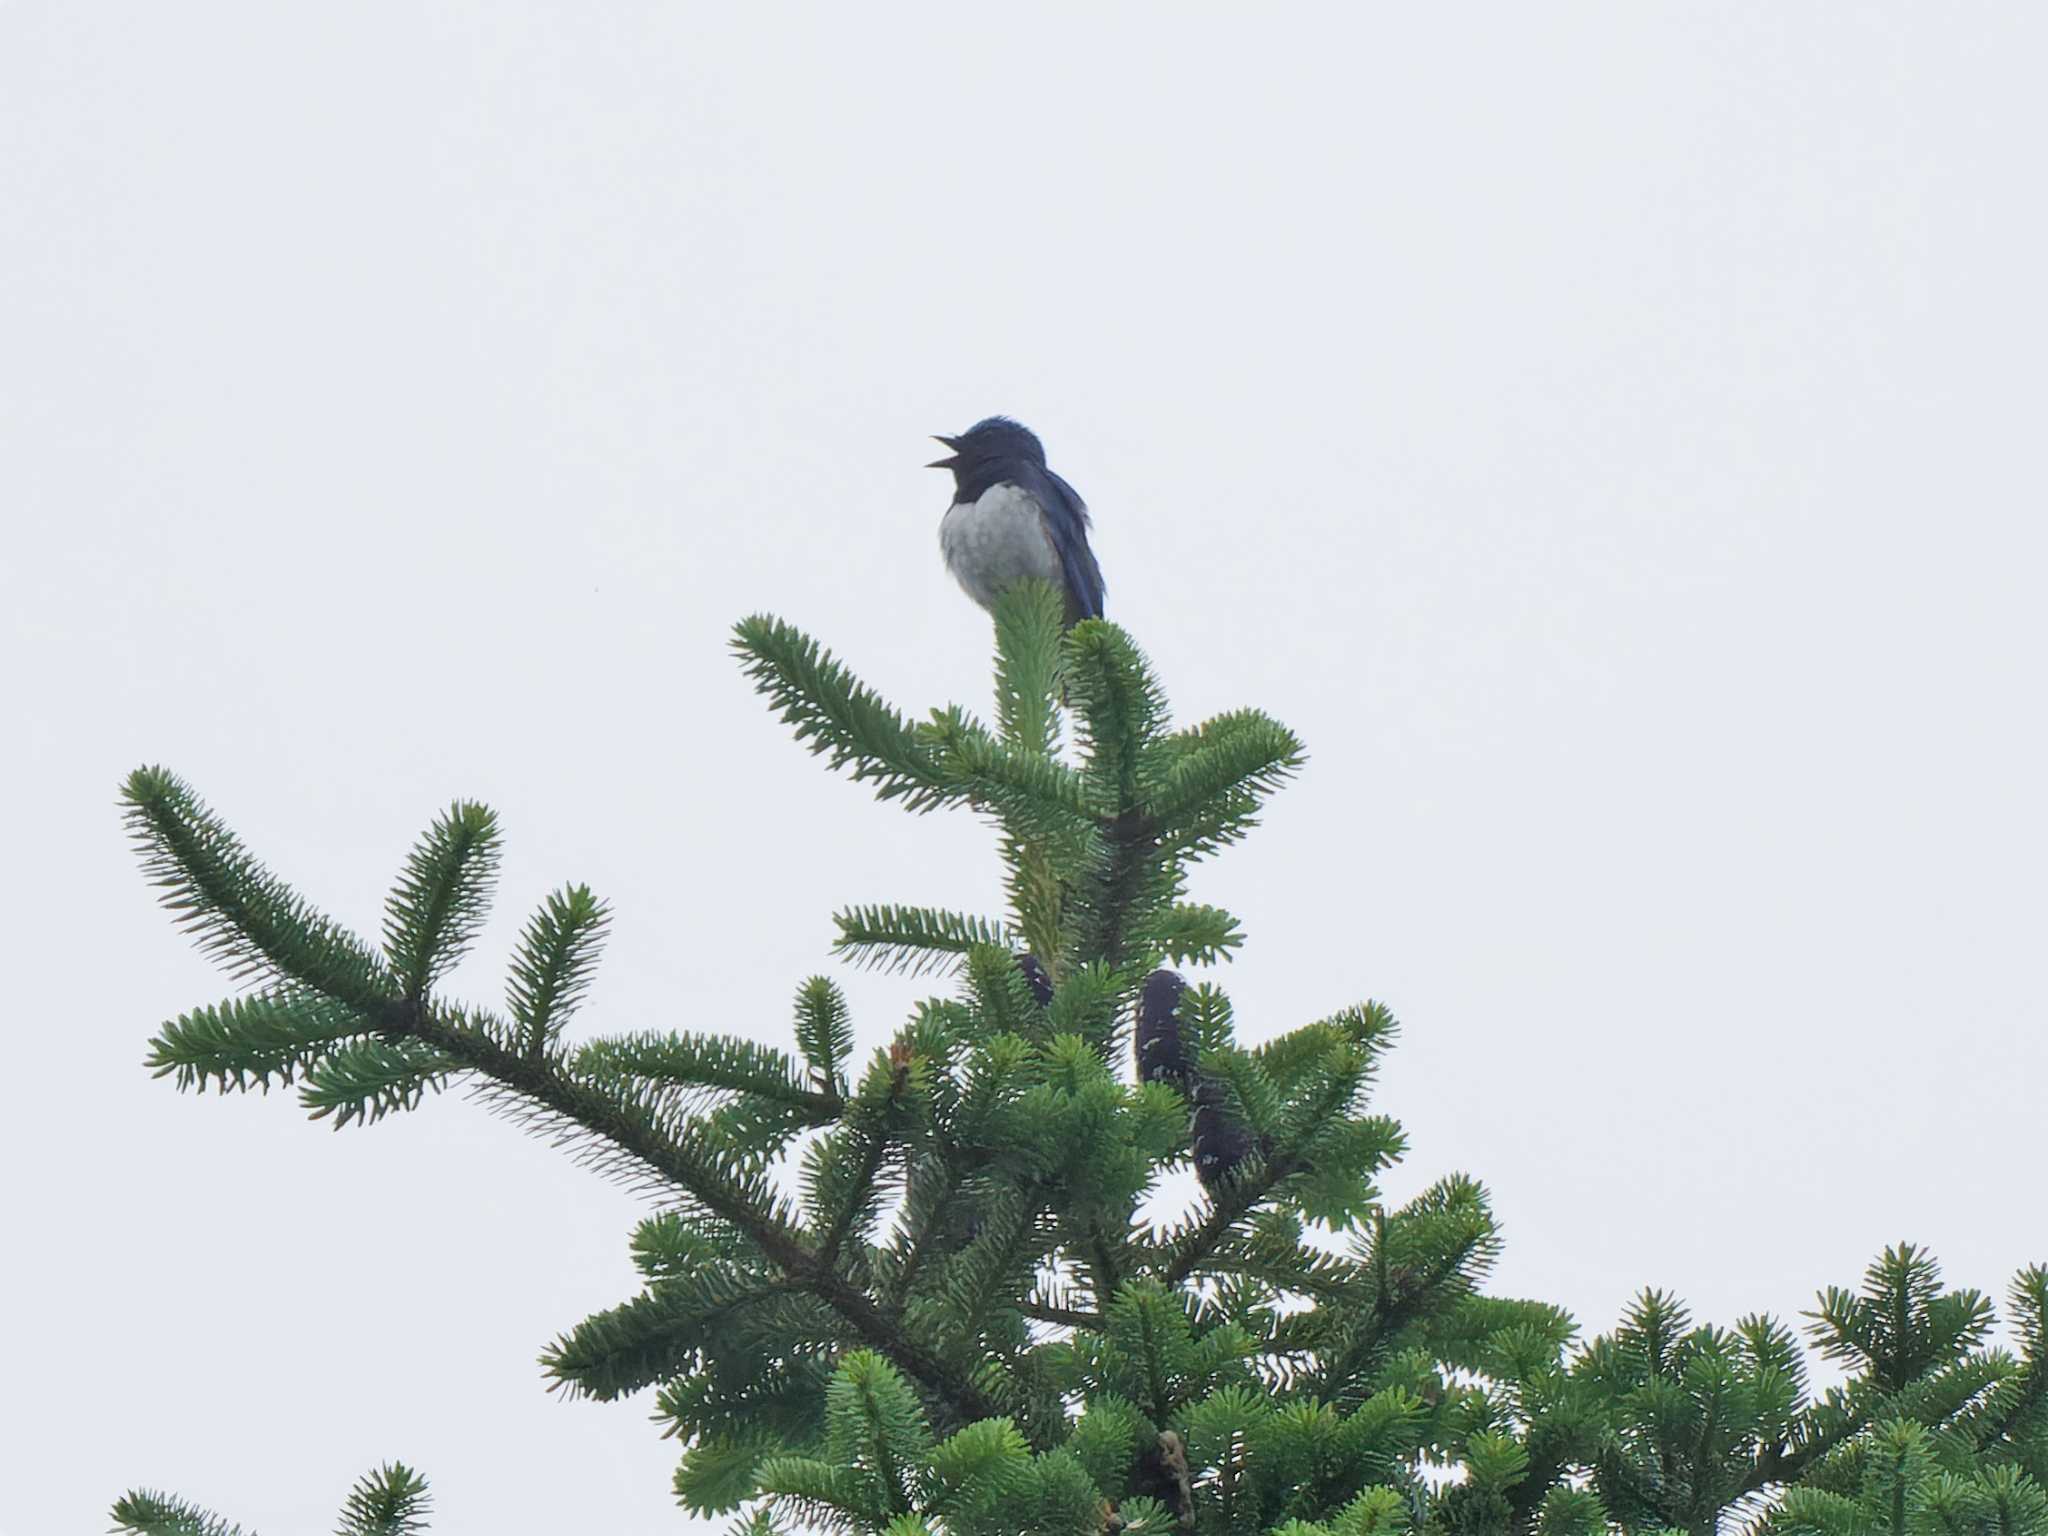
1161, 1056
1034, 973
1220, 1143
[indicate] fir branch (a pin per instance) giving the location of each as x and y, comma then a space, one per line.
367, 1079
2029, 1393
932, 1192
1038, 897
668, 1330
750, 1132
990, 1274
1192, 1250
251, 1041
708, 1063
1251, 1100
1148, 1325
1187, 933
1273, 1251
1105, 904
721, 1471
824, 1033
1120, 704
666, 1246
391, 1501
844, 1168
1001, 993
1234, 755
1435, 1248
912, 940
873, 1426
951, 1187
1223, 821
1831, 1428
553, 966
837, 715
441, 900
1028, 619
623, 1117
782, 1395
1902, 1322
975, 1471
1065, 1317
238, 912
1370, 1027
143, 1512
757, 1522
824, 1493
1105, 1259
1086, 1004
622, 1123
1040, 799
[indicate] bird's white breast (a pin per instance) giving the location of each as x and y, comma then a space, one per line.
992, 544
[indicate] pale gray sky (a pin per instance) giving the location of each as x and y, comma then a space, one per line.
1610, 434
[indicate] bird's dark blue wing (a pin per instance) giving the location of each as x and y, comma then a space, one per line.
1066, 523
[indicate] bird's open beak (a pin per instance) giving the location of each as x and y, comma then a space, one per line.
950, 442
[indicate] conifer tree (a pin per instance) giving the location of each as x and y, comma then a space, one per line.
918, 1293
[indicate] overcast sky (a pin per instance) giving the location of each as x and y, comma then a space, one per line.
1609, 434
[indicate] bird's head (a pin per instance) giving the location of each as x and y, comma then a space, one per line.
995, 440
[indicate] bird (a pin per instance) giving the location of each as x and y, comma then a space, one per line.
1013, 519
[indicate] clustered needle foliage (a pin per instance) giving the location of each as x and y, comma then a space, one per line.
391, 1501
914, 1293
